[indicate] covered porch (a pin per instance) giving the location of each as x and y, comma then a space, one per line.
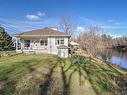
32, 45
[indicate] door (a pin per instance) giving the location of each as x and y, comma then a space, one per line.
62, 53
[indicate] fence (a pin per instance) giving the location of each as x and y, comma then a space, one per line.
5, 53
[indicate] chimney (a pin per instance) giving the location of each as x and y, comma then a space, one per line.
54, 28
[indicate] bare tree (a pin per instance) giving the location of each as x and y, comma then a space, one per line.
89, 40
66, 25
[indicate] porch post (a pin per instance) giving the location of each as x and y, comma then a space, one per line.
21, 44
16, 44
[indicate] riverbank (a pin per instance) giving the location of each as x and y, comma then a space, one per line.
111, 75
117, 58
120, 48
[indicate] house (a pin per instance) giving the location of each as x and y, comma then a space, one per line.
47, 40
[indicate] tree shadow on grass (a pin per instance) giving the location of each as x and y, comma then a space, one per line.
8, 88
9, 76
90, 70
101, 78
67, 73
17, 69
66, 83
48, 80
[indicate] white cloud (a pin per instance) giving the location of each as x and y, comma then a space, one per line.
115, 36
35, 16
17, 26
113, 22
113, 27
41, 13
32, 17
89, 21
81, 29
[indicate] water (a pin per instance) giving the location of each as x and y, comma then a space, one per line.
113, 56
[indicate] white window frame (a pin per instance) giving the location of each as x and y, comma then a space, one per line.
45, 42
26, 43
59, 41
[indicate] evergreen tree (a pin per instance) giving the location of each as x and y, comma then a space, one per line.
5, 40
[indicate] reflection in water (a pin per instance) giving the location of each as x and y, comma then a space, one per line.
113, 56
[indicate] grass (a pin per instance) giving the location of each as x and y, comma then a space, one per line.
18, 70
43, 74
100, 77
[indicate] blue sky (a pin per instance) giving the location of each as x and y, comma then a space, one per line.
23, 15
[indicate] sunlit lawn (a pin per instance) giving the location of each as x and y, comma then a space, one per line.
43, 74
21, 73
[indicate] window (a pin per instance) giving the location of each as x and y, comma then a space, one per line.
19, 45
43, 42
59, 41
26, 43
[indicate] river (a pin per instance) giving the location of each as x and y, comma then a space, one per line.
113, 56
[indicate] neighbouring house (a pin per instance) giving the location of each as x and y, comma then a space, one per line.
47, 40
74, 44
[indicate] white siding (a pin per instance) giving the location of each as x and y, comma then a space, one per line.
51, 45
66, 41
50, 48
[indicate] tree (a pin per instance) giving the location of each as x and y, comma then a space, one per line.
89, 40
5, 40
107, 41
66, 25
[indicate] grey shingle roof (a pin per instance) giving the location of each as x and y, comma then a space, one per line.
42, 32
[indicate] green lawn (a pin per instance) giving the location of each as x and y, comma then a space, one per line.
20, 73
43, 74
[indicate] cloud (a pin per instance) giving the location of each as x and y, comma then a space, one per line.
40, 13
81, 29
89, 21
115, 35
113, 22
113, 27
17, 26
34, 17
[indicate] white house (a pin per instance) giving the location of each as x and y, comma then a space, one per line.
43, 41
